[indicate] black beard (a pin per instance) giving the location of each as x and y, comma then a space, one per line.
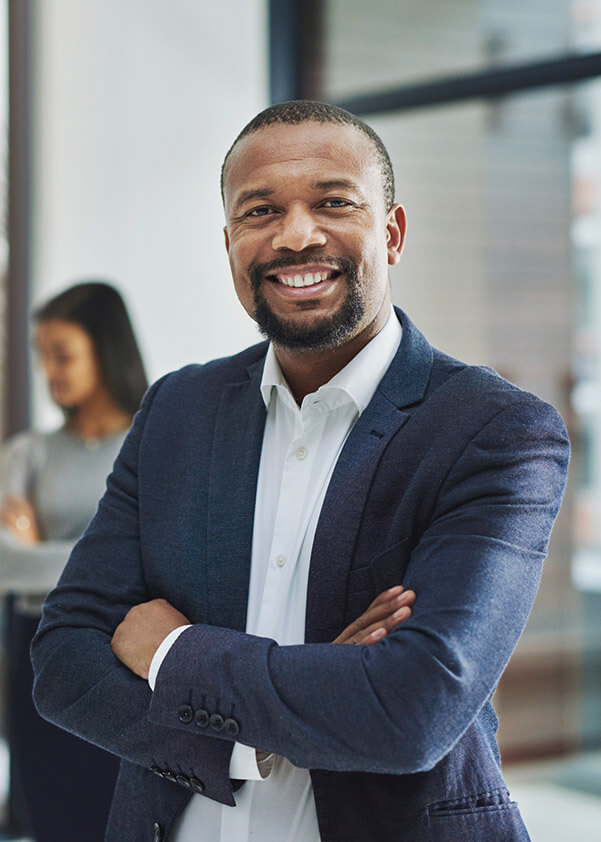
325, 333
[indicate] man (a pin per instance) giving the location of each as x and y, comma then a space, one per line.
271, 497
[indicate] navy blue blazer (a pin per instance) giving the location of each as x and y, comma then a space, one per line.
449, 483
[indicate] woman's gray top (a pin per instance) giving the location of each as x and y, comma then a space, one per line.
63, 476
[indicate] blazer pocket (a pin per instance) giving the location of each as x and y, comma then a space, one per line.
483, 817
482, 802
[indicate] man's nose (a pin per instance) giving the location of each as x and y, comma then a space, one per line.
297, 231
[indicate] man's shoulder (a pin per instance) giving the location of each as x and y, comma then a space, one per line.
225, 369
483, 391
197, 388
423, 375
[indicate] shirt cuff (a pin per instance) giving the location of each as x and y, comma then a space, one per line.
161, 654
249, 764
246, 763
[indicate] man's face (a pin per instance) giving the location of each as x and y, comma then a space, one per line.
308, 235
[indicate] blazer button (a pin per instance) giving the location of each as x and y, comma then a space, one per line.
197, 785
169, 776
157, 833
157, 771
183, 780
201, 718
185, 714
231, 727
216, 722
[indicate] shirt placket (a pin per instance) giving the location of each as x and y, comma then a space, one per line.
295, 503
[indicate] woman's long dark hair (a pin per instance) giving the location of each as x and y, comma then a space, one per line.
99, 310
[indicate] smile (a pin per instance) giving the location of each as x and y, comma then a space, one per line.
306, 279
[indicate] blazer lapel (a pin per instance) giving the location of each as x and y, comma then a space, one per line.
402, 386
232, 489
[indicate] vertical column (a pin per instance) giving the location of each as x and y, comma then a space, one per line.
17, 397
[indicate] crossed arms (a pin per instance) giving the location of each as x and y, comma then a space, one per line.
138, 636
396, 706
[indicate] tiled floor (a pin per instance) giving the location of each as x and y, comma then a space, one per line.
560, 800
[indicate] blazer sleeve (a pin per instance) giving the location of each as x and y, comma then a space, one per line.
401, 705
79, 684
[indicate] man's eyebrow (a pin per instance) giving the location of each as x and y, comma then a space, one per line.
334, 183
250, 195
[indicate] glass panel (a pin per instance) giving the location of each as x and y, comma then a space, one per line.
386, 43
502, 266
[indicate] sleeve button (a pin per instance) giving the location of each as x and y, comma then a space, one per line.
231, 727
201, 718
197, 785
185, 714
216, 722
184, 780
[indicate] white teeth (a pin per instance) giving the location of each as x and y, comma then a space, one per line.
307, 280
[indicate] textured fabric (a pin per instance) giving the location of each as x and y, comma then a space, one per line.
449, 482
300, 448
61, 785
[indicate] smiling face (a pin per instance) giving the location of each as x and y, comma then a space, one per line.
308, 235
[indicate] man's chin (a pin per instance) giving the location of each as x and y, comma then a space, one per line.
319, 334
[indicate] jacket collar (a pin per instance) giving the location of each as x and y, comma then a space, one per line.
237, 444
403, 386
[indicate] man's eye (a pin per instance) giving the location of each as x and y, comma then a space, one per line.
262, 211
336, 203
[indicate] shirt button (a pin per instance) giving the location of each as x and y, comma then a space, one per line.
301, 453
280, 560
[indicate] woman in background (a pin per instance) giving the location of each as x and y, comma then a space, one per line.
50, 484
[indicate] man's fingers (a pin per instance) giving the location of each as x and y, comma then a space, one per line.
378, 630
385, 605
390, 608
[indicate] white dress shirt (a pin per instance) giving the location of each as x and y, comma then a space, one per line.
301, 446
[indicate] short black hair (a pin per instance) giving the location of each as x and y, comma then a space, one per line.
304, 111
99, 310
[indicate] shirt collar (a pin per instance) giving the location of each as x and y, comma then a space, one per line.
358, 379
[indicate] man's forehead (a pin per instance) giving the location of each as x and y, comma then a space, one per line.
298, 142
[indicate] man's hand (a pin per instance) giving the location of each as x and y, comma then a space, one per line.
387, 611
142, 631
145, 626
17, 514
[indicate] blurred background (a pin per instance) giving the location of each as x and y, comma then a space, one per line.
115, 116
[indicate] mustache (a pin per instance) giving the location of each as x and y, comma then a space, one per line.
257, 271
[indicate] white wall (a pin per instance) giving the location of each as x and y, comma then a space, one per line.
136, 103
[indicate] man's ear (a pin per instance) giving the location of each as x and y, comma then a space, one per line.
227, 239
396, 226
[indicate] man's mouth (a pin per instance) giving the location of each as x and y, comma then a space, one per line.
303, 279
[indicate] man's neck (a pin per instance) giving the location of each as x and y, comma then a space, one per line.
306, 370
